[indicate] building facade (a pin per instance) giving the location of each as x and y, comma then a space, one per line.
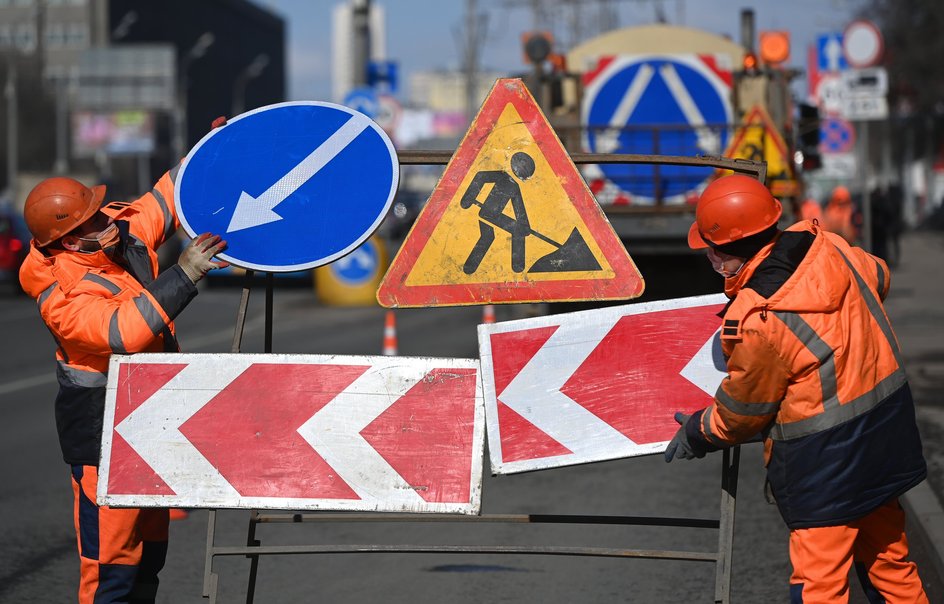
191, 61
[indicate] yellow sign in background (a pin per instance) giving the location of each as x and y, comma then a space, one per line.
551, 217
759, 140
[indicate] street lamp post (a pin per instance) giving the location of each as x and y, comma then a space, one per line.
196, 51
252, 71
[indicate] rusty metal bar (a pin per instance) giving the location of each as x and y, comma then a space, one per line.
744, 166
263, 517
241, 313
467, 549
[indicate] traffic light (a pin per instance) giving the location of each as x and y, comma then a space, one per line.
808, 136
537, 46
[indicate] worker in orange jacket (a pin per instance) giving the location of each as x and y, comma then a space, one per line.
839, 215
93, 270
811, 210
814, 367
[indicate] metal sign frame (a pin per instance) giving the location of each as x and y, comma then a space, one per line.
722, 557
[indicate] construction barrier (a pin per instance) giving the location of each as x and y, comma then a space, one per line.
429, 377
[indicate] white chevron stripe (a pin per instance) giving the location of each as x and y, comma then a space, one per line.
608, 141
535, 392
153, 430
707, 368
334, 432
708, 141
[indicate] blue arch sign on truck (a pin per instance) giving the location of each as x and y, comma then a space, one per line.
655, 104
289, 186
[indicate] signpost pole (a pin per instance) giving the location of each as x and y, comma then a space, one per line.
251, 540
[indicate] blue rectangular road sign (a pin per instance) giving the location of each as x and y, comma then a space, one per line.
829, 55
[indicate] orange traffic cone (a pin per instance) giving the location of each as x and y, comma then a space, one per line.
178, 514
390, 335
488, 313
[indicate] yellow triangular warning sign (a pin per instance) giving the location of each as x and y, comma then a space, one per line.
511, 220
759, 140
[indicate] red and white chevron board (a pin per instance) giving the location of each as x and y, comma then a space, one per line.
302, 432
598, 384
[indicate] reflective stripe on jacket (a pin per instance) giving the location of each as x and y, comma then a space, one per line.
814, 365
95, 306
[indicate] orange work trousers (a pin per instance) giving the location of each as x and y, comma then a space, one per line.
876, 544
121, 550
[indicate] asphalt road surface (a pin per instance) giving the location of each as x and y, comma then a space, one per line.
38, 562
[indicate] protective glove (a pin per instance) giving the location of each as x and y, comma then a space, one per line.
680, 446
196, 259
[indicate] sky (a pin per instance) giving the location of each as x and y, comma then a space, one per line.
426, 34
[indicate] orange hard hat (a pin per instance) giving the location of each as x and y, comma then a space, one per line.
841, 195
58, 205
732, 208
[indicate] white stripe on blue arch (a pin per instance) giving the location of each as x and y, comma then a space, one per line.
660, 104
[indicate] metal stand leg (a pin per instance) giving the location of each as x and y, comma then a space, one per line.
210, 579
729, 480
241, 313
251, 541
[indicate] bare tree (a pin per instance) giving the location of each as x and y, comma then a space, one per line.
914, 45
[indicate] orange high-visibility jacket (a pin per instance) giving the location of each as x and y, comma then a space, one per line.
813, 365
96, 306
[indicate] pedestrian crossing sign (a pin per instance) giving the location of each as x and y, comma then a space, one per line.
511, 220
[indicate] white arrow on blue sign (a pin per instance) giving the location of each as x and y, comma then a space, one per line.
289, 186
657, 104
829, 55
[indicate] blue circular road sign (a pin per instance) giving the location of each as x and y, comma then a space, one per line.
358, 267
660, 105
364, 100
836, 135
289, 186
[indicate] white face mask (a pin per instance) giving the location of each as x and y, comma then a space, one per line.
720, 259
106, 240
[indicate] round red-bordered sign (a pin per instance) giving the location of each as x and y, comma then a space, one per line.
862, 44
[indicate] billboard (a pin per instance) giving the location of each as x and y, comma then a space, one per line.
112, 132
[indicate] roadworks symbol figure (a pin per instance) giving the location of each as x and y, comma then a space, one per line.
572, 255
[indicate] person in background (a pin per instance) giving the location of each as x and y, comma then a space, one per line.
880, 224
92, 268
811, 210
896, 224
813, 366
839, 215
